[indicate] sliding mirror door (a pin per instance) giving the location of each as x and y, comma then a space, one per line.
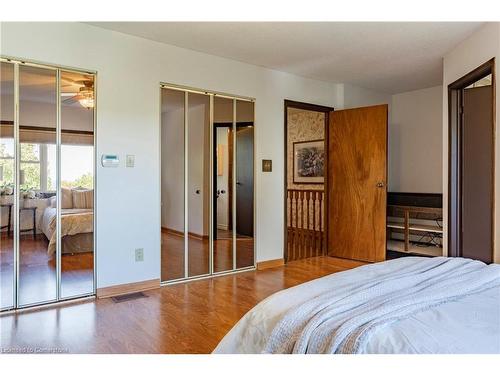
46, 142
76, 237
7, 170
173, 166
198, 184
37, 234
244, 192
223, 184
207, 184
185, 184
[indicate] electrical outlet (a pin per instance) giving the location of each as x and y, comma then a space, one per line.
139, 255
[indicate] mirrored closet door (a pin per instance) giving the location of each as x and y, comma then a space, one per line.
223, 184
76, 236
46, 184
198, 184
7, 176
207, 183
244, 171
37, 137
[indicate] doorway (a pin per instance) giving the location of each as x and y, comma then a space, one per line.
306, 170
471, 154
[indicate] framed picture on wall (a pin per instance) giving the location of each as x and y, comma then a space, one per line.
309, 162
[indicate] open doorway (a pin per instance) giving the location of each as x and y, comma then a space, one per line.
471, 164
306, 128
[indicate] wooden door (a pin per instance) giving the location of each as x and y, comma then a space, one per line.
357, 180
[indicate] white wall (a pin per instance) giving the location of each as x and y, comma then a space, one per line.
128, 115
416, 141
480, 47
414, 132
354, 96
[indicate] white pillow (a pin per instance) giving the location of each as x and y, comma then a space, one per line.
83, 198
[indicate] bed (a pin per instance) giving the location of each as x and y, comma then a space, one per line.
77, 226
405, 305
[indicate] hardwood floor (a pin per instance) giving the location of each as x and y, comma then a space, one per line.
184, 318
172, 254
37, 271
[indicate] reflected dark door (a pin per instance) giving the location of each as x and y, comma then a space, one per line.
477, 174
244, 181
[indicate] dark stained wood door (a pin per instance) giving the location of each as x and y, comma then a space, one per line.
357, 183
244, 181
477, 174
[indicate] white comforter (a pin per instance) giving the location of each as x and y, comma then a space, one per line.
470, 324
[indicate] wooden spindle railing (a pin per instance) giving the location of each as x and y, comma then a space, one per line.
305, 227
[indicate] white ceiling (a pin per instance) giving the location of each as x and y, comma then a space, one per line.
383, 56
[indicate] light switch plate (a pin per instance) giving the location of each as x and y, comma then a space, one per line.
267, 165
130, 161
139, 255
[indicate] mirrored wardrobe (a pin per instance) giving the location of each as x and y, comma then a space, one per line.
207, 183
47, 172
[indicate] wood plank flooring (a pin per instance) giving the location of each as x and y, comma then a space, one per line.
37, 271
183, 318
172, 254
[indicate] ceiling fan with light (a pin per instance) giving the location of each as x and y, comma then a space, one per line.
84, 95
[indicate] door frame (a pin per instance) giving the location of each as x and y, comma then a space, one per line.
455, 124
308, 107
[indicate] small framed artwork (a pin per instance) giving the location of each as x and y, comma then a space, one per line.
309, 162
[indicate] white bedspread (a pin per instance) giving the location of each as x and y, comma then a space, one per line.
470, 324
73, 221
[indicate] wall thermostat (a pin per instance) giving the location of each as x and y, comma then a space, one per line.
130, 161
110, 161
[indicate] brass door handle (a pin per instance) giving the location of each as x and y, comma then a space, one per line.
380, 184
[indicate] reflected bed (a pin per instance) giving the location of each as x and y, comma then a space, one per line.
77, 226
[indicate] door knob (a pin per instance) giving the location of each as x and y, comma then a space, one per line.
380, 184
